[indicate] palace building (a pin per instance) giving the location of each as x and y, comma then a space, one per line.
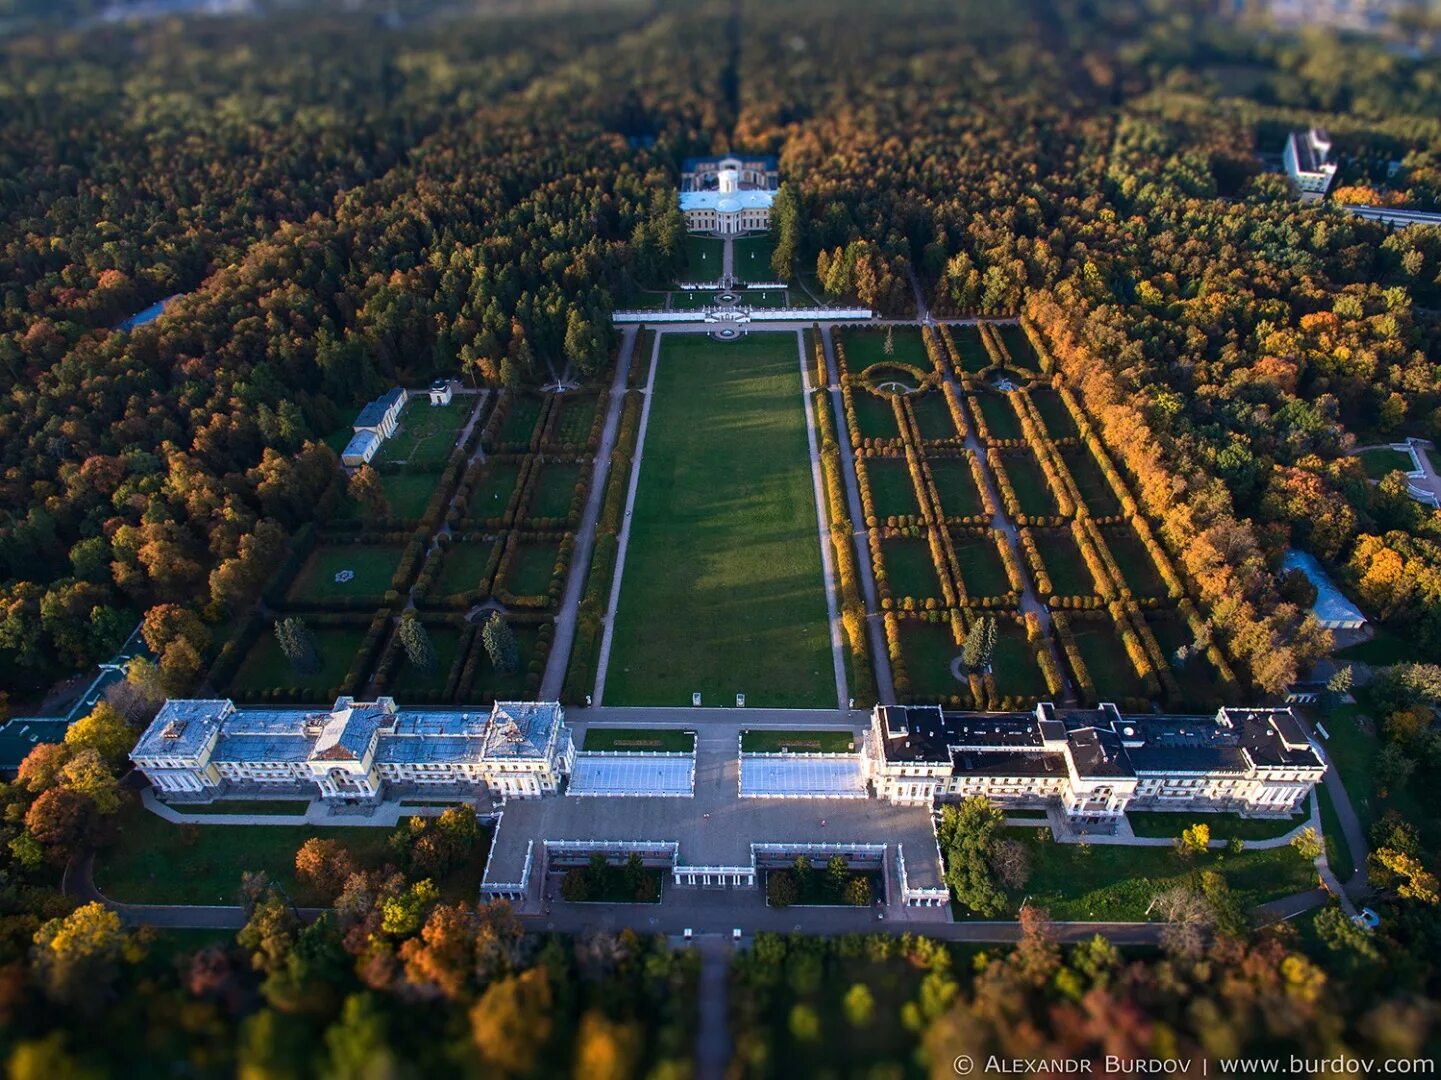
206, 749
728, 195
1095, 763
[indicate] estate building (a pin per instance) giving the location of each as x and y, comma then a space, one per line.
204, 749
1095, 763
1306, 158
375, 423
728, 195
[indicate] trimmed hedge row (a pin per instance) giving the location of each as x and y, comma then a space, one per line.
390, 659
356, 676
1009, 499
531, 482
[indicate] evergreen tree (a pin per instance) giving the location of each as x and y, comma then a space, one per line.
416, 642
298, 644
980, 644
499, 641
890, 347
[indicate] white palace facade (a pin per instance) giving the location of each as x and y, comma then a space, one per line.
728, 196
198, 750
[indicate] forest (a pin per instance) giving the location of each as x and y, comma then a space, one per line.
338, 201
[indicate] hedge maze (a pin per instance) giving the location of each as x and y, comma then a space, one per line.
976, 459
467, 529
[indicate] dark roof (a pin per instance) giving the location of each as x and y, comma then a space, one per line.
1098, 751
983, 763
376, 410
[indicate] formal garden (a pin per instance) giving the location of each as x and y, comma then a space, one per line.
466, 535
955, 430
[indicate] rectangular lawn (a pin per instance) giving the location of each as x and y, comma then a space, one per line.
463, 570
492, 493
983, 572
1000, 415
892, 492
910, 568
972, 351
1070, 576
933, 417
519, 423
928, 650
1033, 493
1060, 424
1382, 461
489, 685
554, 489
867, 347
577, 415
703, 257
532, 567
1019, 346
639, 740
875, 416
722, 586
372, 566
407, 493
956, 485
265, 667
410, 680
1137, 566
1095, 489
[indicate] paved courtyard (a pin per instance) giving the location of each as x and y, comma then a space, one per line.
715, 826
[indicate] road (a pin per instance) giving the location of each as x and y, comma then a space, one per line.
559, 659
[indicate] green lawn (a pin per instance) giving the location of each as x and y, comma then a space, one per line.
1108, 882
910, 568
1338, 849
492, 494
1134, 559
1070, 576
1380, 462
1000, 415
155, 862
407, 493
1033, 494
933, 416
983, 571
928, 649
577, 416
866, 347
640, 740
1095, 489
427, 432
723, 591
409, 680
753, 257
1060, 424
1107, 660
464, 568
519, 423
875, 416
533, 567
766, 298
1013, 664
892, 492
972, 352
554, 489
956, 485
265, 667
1223, 826
703, 256
1019, 346
826, 741
372, 564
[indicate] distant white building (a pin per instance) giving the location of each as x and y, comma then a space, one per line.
1307, 160
382, 415
203, 749
728, 195
360, 449
1332, 610
441, 392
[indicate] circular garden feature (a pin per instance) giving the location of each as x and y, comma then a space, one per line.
895, 379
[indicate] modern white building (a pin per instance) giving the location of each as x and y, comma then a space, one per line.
1095, 763
1307, 160
728, 195
197, 750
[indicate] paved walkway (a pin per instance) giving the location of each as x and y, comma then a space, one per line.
559, 658
1422, 483
1357, 888
875, 625
608, 621
713, 1039
823, 531
728, 261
